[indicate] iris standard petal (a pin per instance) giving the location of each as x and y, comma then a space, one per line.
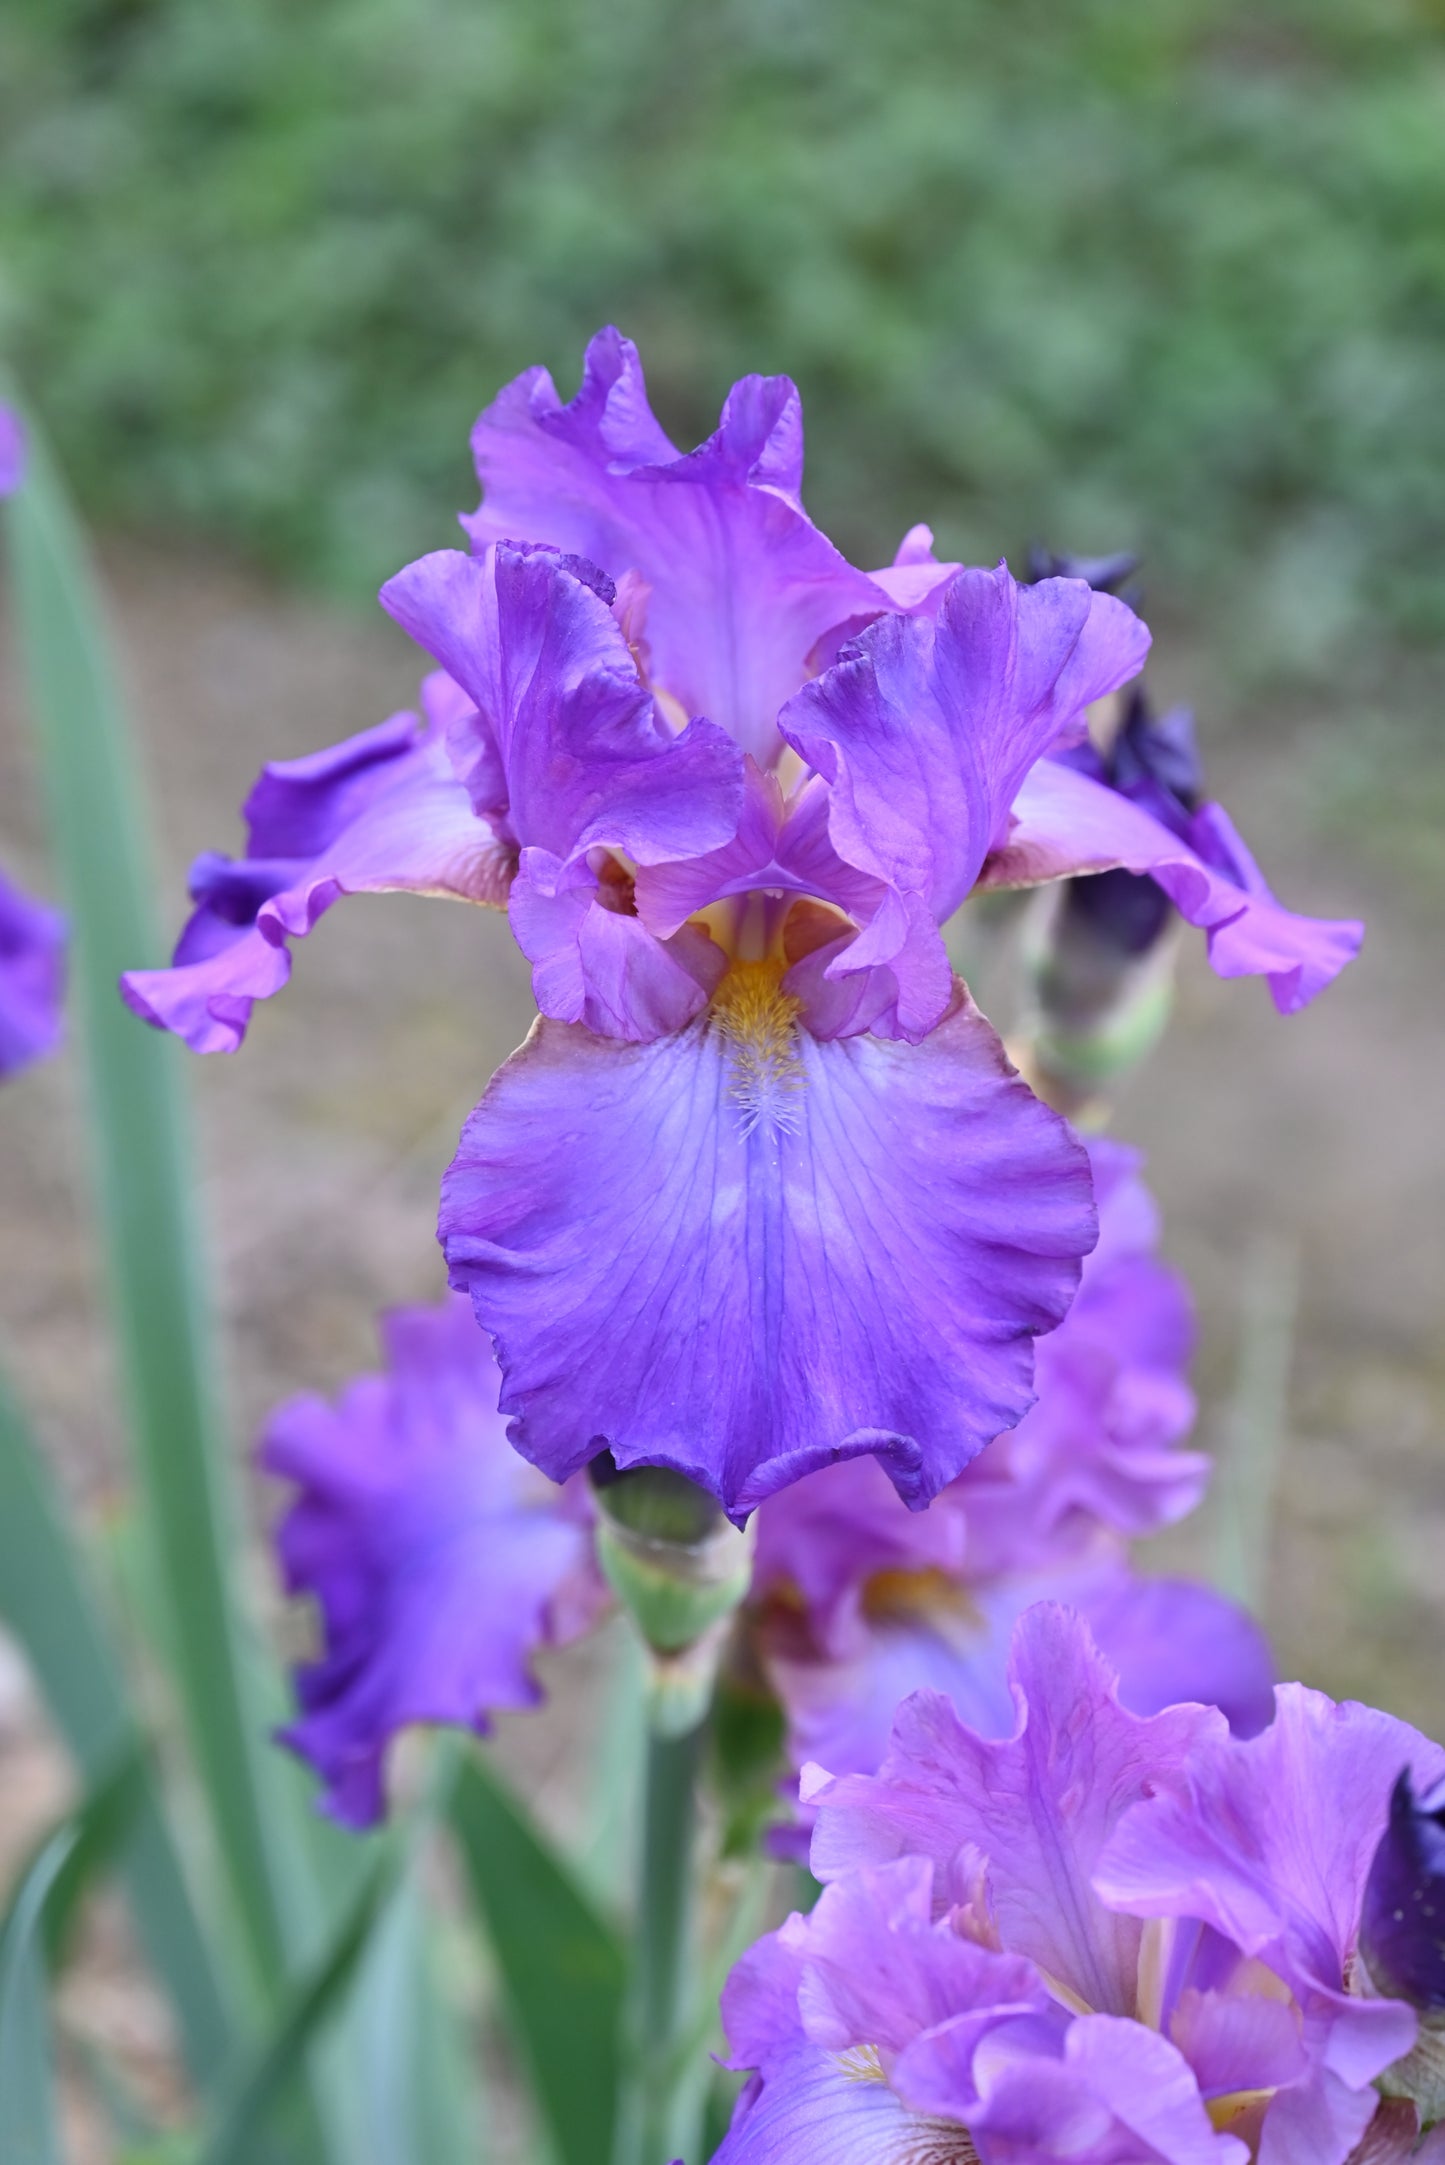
1117, 2092
1066, 822
1170, 1642
564, 751
1041, 1805
32, 978
585, 757
381, 812
745, 1254
438, 1561
926, 726
740, 584
1270, 1841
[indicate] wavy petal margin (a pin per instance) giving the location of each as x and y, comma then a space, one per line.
1066, 823
439, 1562
748, 1260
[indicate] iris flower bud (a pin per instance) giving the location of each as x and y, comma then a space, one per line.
1402, 1927
1101, 955
679, 1568
1402, 1938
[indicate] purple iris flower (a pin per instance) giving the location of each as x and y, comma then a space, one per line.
1100, 1937
32, 978
439, 1560
761, 1192
1169, 1641
13, 450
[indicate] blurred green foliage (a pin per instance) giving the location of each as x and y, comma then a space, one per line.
1165, 272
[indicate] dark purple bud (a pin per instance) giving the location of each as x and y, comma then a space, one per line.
1126, 911
1105, 574
1154, 752
1402, 1926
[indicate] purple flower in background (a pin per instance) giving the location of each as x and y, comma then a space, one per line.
439, 1561
1096, 1452
1099, 1937
1170, 1642
961, 1991
860, 1602
761, 1192
13, 450
32, 978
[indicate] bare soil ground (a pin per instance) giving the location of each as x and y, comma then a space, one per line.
1315, 1140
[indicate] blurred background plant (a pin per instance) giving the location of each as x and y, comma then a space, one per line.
1174, 272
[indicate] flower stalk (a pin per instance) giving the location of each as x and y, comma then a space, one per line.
680, 1570
656, 2102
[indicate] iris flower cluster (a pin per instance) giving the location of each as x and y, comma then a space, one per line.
761, 1192
1106, 1938
762, 1202
441, 1563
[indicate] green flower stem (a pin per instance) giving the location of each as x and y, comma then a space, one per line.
657, 2097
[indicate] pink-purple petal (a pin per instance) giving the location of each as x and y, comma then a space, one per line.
1041, 1804
749, 1278
926, 2045
379, 813
586, 759
741, 584
1170, 1642
1119, 2093
878, 1969
815, 2107
1318, 2122
1270, 1841
926, 726
1067, 823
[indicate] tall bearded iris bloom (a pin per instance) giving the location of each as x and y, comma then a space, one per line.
438, 1558
761, 1191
